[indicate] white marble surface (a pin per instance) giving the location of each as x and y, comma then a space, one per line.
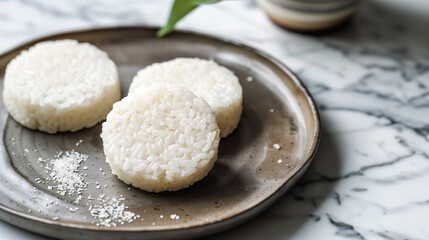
370, 80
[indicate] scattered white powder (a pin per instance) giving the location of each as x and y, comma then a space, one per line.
276, 146
39, 180
110, 211
174, 217
78, 199
79, 142
271, 110
64, 172
279, 161
63, 168
249, 79
73, 209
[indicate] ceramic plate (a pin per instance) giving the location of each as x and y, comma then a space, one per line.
249, 175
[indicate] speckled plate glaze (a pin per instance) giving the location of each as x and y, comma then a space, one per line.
246, 178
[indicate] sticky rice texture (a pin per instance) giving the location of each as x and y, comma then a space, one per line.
59, 86
161, 138
216, 84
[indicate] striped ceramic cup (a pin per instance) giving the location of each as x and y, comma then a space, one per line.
309, 15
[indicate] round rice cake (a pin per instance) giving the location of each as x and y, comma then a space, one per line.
161, 138
205, 78
59, 86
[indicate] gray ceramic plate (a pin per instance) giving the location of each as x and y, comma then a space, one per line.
246, 178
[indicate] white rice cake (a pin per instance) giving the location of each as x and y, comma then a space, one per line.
161, 138
58, 86
216, 84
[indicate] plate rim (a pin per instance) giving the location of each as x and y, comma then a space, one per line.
302, 167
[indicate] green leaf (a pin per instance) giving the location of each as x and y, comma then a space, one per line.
180, 9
